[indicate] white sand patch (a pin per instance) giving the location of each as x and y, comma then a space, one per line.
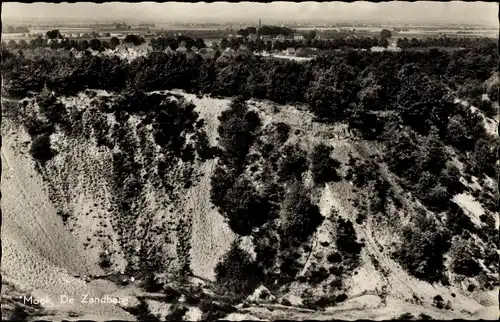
293, 299
211, 236
470, 205
159, 309
246, 244
241, 317
209, 109
367, 280
193, 314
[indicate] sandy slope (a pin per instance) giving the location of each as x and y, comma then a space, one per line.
38, 255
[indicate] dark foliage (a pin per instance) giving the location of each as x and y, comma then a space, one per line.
237, 131
347, 243
245, 208
292, 164
322, 166
300, 216
422, 251
41, 149
237, 274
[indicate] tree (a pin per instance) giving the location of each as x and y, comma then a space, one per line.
41, 148
12, 44
95, 44
310, 35
456, 133
323, 167
385, 33
243, 32
300, 217
23, 44
236, 273
134, 39
484, 157
422, 251
53, 34
237, 131
383, 42
346, 242
114, 42
292, 163
245, 208
200, 43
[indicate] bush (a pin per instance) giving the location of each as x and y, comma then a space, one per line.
347, 242
292, 164
237, 130
41, 149
488, 108
484, 157
236, 273
456, 133
300, 216
245, 208
282, 131
323, 167
104, 261
422, 251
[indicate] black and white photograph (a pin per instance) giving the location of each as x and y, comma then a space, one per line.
182, 161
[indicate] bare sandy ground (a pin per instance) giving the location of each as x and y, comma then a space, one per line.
38, 255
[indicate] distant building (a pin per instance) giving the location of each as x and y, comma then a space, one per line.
290, 51
298, 37
252, 36
280, 37
265, 37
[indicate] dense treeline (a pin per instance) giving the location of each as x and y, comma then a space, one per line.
443, 42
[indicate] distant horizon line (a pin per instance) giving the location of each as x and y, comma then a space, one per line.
37, 20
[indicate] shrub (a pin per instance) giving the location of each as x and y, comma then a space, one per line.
237, 274
347, 241
422, 251
488, 108
456, 133
237, 130
245, 208
104, 261
292, 163
282, 131
41, 149
484, 157
177, 313
300, 216
323, 167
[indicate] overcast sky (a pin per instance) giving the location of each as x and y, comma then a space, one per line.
422, 11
